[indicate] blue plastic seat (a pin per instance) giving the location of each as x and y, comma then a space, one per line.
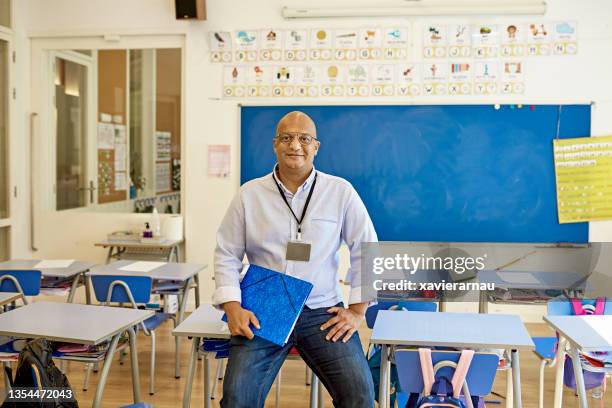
545, 347
26, 282
412, 306
139, 405
133, 290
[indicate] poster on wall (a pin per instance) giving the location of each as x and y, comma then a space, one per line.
296, 43
346, 42
218, 160
162, 177
220, 46
408, 79
459, 41
246, 46
512, 38
271, 45
565, 38
395, 43
321, 44
370, 43
163, 145
434, 41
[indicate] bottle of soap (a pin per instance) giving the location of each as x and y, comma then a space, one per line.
155, 226
147, 233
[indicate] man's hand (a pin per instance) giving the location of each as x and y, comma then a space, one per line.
238, 320
346, 322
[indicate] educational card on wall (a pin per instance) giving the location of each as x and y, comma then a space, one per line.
245, 43
271, 45
370, 43
220, 46
234, 80
307, 79
357, 80
296, 44
459, 41
485, 40
346, 42
258, 80
583, 171
435, 78
512, 78
321, 44
332, 80
382, 77
395, 43
486, 77
565, 38
538, 39
513, 40
460, 78
434, 41
408, 79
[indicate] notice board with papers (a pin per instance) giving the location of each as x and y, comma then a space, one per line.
449, 173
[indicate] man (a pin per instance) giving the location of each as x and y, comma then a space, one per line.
299, 204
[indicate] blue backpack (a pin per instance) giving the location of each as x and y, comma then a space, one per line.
441, 396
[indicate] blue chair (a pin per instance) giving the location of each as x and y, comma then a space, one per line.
133, 290
546, 347
26, 282
479, 379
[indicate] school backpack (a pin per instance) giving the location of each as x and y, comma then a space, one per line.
591, 379
35, 369
441, 392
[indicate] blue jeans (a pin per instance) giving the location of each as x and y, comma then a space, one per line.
341, 367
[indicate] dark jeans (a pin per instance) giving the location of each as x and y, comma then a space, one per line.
341, 367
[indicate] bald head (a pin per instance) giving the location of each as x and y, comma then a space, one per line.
296, 122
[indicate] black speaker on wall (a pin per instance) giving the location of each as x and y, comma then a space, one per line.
190, 9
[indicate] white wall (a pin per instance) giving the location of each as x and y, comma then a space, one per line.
209, 120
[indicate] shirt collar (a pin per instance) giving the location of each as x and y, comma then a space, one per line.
303, 187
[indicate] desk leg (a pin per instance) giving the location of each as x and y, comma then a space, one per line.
134, 364
207, 400
196, 279
109, 254
107, 363
516, 379
579, 375
558, 401
73, 287
483, 302
385, 366
179, 319
193, 358
87, 282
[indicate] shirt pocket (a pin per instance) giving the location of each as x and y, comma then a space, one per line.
324, 227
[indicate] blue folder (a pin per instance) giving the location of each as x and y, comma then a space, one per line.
276, 299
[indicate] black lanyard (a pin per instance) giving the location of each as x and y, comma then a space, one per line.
299, 221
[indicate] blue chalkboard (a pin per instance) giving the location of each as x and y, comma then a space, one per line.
467, 173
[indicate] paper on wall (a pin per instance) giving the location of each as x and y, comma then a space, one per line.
395, 42
271, 44
321, 44
459, 41
106, 136
218, 160
220, 46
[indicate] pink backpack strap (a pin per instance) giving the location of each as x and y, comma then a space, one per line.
577, 307
600, 306
426, 370
461, 371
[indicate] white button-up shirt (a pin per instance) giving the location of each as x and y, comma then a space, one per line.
259, 224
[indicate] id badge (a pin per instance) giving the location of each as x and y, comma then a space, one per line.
298, 251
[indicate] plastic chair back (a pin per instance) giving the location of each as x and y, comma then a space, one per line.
480, 376
139, 287
28, 280
411, 306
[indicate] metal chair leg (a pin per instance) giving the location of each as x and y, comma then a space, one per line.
541, 388
320, 395
152, 368
509, 389
314, 391
307, 374
88, 369
218, 377
278, 385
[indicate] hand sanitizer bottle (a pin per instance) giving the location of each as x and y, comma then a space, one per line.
155, 226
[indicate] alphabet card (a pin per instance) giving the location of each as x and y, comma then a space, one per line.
395, 43
408, 79
321, 44
283, 78
565, 38
246, 45
220, 46
435, 78
538, 39
357, 80
370, 44
512, 78
271, 45
486, 77
307, 80
459, 41
234, 81
382, 79
333, 80
460, 78
258, 80
485, 40
434, 41
296, 42
346, 42
512, 40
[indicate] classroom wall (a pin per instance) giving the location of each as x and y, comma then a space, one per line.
210, 120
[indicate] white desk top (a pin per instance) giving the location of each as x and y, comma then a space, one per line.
8, 297
166, 243
169, 271
69, 322
205, 321
75, 268
588, 333
461, 330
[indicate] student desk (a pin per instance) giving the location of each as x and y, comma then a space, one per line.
586, 333
460, 330
83, 324
185, 273
76, 271
166, 250
204, 322
566, 281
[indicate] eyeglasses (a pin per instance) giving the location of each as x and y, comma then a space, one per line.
304, 138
